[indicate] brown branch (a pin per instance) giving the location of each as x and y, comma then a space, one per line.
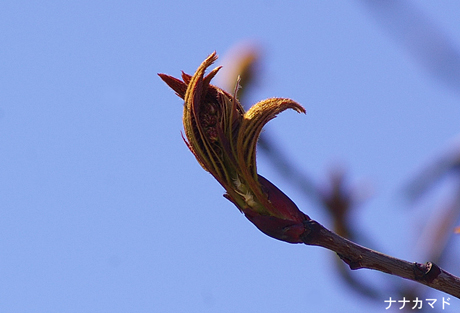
357, 257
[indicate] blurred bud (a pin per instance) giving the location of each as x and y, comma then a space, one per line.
241, 69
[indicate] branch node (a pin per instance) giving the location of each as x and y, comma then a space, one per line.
312, 231
426, 272
354, 264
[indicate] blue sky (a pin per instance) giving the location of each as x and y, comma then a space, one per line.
104, 209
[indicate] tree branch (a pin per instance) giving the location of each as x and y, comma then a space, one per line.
357, 257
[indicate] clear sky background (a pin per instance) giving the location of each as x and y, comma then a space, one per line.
104, 209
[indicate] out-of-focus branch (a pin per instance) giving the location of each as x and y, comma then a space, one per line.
358, 257
286, 168
427, 43
448, 164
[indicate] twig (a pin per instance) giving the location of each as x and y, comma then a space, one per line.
357, 257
